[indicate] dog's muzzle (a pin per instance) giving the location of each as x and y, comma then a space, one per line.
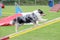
43, 14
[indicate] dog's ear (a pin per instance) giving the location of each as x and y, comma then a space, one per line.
39, 10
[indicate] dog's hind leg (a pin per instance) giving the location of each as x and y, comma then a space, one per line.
16, 27
36, 23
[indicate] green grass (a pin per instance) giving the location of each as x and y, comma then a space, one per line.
50, 32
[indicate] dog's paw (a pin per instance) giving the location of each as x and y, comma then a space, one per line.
45, 19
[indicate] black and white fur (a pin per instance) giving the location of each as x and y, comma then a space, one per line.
29, 17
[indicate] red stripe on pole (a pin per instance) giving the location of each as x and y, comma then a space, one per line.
6, 38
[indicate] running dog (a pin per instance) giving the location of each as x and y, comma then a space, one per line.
29, 17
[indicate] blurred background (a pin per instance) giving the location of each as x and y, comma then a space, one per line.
28, 2
8, 9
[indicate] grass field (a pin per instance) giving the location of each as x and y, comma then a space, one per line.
51, 32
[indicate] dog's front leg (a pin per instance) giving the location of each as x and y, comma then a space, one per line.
36, 23
42, 20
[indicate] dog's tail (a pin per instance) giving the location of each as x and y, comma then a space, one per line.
13, 22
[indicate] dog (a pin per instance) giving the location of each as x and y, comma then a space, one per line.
29, 17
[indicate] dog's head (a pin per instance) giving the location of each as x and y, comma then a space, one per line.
40, 12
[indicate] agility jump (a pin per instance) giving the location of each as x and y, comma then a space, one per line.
31, 29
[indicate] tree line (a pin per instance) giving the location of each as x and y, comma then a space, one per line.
28, 2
